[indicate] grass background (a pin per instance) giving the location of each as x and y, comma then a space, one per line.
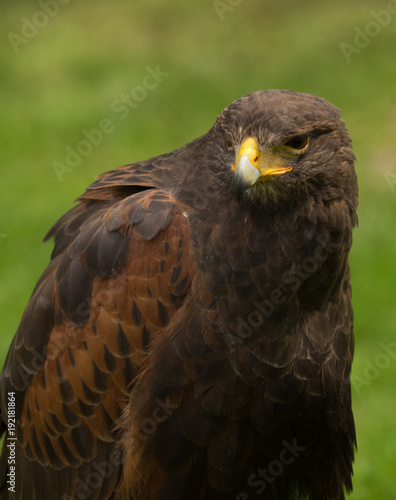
65, 78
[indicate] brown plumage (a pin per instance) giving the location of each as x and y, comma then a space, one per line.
192, 336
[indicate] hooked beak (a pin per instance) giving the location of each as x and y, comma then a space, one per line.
255, 166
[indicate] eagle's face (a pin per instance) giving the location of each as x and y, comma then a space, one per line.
287, 145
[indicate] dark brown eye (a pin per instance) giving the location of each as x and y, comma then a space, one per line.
229, 145
298, 142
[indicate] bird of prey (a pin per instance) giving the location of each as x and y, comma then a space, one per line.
192, 336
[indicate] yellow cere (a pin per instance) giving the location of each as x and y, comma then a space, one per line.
268, 162
251, 148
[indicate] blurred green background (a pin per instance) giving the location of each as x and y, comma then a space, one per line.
64, 71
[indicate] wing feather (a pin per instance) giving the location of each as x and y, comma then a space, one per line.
120, 269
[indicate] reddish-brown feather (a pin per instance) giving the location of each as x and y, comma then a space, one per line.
98, 344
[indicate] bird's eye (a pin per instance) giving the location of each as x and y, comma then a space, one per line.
229, 145
298, 142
